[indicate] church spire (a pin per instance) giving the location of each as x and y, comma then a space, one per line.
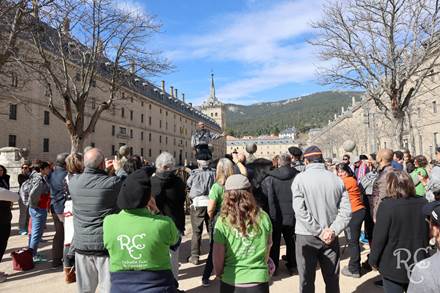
212, 93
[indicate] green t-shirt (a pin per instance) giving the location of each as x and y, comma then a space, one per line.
216, 194
420, 189
245, 257
138, 240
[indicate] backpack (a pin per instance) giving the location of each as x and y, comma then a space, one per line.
24, 191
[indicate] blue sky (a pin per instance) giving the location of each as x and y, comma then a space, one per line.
256, 49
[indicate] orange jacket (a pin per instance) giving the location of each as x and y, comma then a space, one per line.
354, 193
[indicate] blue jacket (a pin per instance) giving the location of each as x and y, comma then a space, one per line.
57, 192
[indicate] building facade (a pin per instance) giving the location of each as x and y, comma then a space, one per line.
146, 118
365, 125
267, 147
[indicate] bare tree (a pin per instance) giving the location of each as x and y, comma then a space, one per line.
386, 47
79, 42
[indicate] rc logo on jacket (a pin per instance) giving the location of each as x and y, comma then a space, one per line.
131, 245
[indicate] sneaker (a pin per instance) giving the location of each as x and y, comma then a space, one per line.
365, 266
363, 239
291, 269
3, 278
378, 283
194, 260
39, 258
206, 283
346, 272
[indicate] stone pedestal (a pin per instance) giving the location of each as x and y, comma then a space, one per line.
12, 158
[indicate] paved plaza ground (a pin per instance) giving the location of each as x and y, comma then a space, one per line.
44, 279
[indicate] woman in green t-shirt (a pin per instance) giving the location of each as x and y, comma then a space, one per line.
223, 171
242, 240
420, 162
138, 241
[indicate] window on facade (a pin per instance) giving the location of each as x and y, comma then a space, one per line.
113, 130
149, 152
142, 104
166, 125
160, 123
149, 136
113, 109
93, 103
131, 115
142, 118
131, 151
131, 99
113, 150
434, 107
45, 145
131, 133
46, 118
166, 139
435, 139
142, 152
166, 113
13, 112
12, 141
123, 130
149, 106
122, 112
14, 79
142, 135
212, 114
160, 111
149, 120
160, 138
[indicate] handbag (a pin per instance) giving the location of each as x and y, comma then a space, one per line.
22, 259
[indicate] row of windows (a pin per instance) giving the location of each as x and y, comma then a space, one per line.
123, 132
12, 142
13, 114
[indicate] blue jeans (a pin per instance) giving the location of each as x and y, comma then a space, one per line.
38, 217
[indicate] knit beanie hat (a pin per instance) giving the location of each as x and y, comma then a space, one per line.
237, 182
312, 153
135, 191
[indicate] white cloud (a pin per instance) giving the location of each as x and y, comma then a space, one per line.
268, 42
132, 7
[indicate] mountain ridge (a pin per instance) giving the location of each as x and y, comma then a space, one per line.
303, 112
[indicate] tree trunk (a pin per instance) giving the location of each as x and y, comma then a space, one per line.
76, 144
397, 123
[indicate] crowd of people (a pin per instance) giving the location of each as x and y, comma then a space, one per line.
119, 224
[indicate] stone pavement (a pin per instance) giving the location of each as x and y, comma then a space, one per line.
44, 279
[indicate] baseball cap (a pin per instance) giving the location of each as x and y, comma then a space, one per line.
432, 210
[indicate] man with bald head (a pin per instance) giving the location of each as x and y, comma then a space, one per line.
94, 196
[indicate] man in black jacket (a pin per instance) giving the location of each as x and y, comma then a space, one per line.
94, 196
277, 187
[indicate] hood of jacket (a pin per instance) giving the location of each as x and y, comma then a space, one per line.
166, 176
284, 173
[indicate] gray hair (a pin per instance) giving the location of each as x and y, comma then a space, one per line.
61, 159
284, 160
165, 161
93, 158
